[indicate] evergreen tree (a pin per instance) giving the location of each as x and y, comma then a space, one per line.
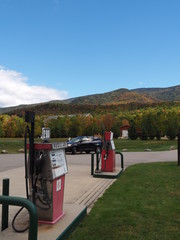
132, 133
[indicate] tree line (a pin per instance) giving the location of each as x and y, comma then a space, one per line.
144, 123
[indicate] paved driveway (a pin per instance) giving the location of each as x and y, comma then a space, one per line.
12, 161
131, 158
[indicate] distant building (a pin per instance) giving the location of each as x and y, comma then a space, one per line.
124, 128
74, 115
49, 118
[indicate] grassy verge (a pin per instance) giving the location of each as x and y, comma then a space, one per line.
12, 145
140, 145
142, 204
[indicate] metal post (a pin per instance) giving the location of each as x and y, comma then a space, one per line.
178, 148
97, 162
122, 161
30, 118
5, 207
92, 164
32, 161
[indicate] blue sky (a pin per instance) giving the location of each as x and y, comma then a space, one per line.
57, 49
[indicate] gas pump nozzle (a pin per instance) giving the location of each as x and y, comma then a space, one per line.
107, 150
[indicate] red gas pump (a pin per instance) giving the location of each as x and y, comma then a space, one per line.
46, 167
49, 179
108, 153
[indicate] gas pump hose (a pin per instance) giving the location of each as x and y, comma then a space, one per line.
27, 189
47, 201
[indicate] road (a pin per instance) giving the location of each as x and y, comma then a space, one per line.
12, 161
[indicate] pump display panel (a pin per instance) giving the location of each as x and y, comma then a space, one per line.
58, 163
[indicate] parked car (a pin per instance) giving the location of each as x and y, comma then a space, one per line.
84, 144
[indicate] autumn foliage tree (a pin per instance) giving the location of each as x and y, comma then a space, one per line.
151, 121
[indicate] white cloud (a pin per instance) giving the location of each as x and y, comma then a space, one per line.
15, 90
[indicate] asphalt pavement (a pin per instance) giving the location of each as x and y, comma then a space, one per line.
12, 161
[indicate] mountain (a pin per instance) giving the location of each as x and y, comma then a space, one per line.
125, 96
163, 94
121, 96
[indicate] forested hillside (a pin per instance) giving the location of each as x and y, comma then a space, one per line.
163, 94
121, 98
71, 109
124, 96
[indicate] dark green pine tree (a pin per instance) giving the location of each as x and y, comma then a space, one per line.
132, 133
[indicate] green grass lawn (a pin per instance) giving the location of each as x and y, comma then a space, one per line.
140, 145
12, 145
144, 203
